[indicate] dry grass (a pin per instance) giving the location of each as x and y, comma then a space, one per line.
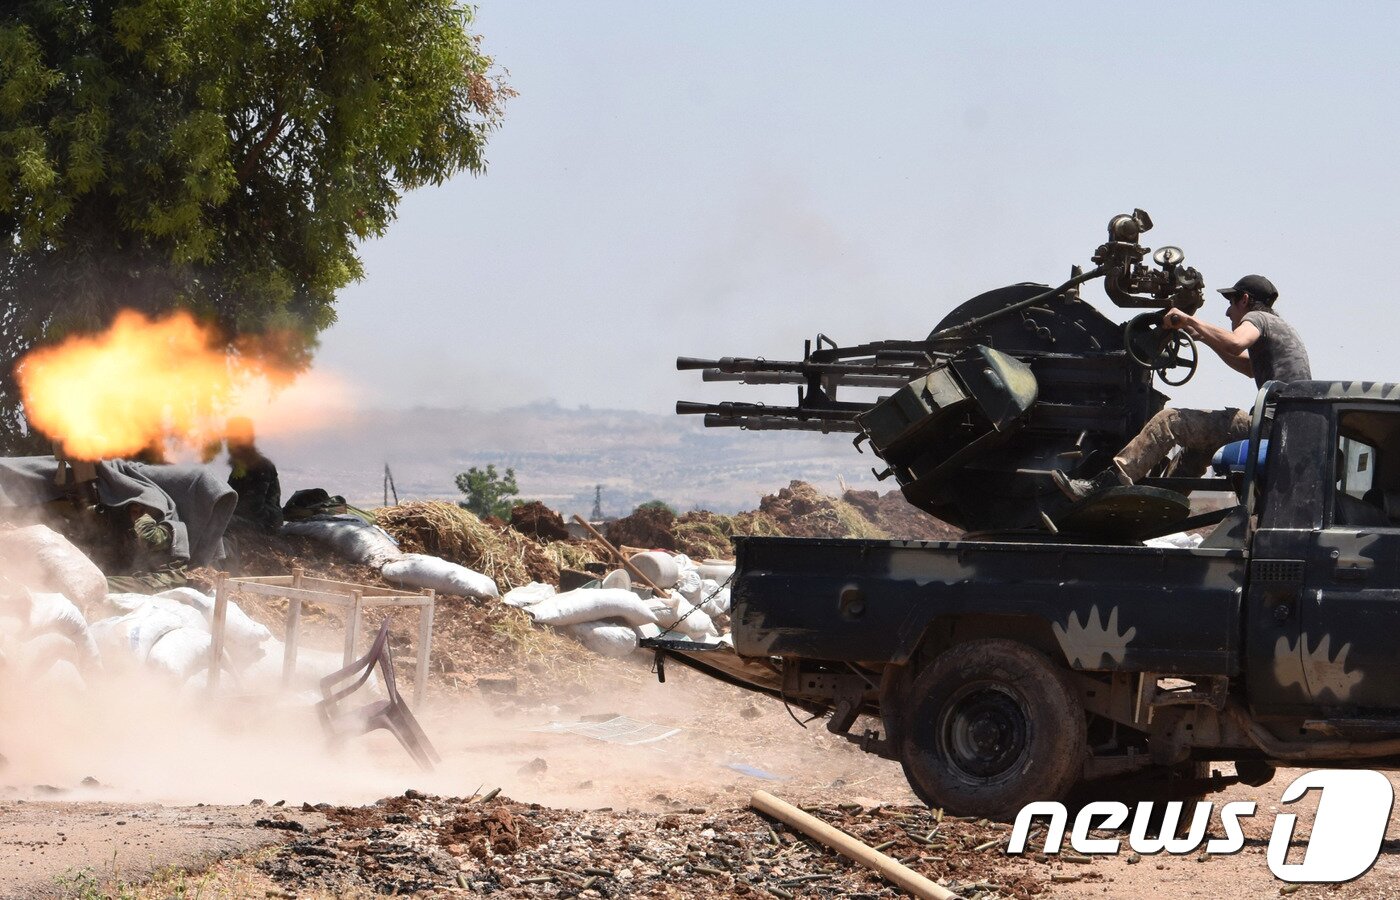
706, 535
854, 523
576, 554
446, 530
561, 660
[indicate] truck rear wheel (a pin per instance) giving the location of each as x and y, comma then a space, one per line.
990, 726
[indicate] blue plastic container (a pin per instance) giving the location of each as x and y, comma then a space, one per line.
1232, 457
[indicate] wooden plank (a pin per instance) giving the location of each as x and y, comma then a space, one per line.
262, 579
425, 647
352, 627
337, 600
289, 652
216, 631
404, 602
352, 586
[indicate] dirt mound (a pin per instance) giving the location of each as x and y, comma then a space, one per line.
800, 510
899, 518
537, 521
486, 833
446, 530
651, 527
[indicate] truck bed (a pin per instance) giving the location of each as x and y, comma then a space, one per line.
1166, 610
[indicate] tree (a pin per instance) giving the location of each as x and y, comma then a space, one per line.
658, 504
487, 492
221, 156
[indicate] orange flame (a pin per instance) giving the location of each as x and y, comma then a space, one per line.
138, 384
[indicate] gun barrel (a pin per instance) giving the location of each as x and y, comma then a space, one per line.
685, 363
844, 412
776, 423
893, 382
901, 365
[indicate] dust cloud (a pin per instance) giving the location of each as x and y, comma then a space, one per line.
137, 737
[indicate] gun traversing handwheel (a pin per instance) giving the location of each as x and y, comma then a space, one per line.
1153, 346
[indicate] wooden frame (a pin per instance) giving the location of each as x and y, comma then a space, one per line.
300, 588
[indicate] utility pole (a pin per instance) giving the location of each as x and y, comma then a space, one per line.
389, 486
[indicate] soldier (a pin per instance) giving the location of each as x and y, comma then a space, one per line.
146, 546
1259, 344
254, 477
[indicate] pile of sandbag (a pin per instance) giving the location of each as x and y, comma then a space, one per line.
611, 617
46, 639
170, 633
359, 541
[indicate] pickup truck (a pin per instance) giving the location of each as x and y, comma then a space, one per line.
1003, 671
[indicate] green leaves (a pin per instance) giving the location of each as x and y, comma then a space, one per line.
222, 155
488, 494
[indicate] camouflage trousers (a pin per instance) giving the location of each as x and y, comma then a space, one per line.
163, 579
1198, 432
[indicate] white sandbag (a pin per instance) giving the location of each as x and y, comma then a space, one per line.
657, 565
610, 637
44, 560
243, 637
702, 591
37, 655
717, 603
121, 604
180, 652
591, 605
687, 577
529, 594
422, 571
687, 620
55, 613
617, 578
695, 623
61, 678
668, 616
350, 536
131, 637
716, 570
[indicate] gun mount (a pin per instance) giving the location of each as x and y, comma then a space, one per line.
1010, 385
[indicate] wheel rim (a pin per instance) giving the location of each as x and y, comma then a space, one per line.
984, 732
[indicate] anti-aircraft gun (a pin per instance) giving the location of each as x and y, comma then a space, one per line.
1009, 386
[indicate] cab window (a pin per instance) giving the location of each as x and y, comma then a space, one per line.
1367, 464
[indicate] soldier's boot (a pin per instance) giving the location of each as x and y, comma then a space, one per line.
1079, 489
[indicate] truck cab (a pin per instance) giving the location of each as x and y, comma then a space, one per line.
1323, 610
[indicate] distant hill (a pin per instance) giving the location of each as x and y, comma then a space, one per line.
560, 454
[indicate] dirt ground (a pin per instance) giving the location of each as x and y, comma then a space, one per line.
578, 817
67, 849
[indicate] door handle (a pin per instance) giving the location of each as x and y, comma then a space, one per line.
1354, 568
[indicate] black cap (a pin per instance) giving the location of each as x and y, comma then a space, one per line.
1256, 286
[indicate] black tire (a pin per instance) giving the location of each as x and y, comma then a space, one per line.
990, 726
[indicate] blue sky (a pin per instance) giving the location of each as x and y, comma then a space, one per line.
731, 178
